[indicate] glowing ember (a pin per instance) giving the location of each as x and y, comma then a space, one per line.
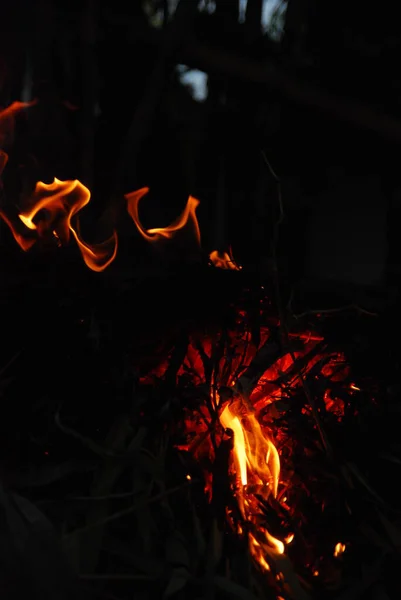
188, 216
222, 260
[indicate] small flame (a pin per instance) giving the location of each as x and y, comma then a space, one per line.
256, 463
339, 549
223, 260
14, 109
188, 215
53, 207
7, 117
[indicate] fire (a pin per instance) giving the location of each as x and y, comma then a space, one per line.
339, 549
52, 212
187, 216
3, 160
257, 467
7, 117
223, 260
53, 207
13, 109
250, 413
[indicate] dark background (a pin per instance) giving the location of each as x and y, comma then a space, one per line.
314, 90
316, 87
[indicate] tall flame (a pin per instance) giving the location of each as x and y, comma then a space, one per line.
188, 215
256, 463
53, 208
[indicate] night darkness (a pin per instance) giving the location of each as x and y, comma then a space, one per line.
133, 364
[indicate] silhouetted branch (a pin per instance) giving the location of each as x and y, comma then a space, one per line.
217, 60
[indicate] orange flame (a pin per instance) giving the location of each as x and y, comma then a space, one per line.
53, 206
3, 160
14, 109
256, 463
7, 116
188, 215
339, 549
223, 260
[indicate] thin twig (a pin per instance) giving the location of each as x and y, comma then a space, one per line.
10, 362
327, 311
106, 497
117, 577
282, 315
127, 511
88, 442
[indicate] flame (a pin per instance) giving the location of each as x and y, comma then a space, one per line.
3, 160
339, 549
53, 207
7, 117
14, 109
223, 260
256, 463
188, 215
